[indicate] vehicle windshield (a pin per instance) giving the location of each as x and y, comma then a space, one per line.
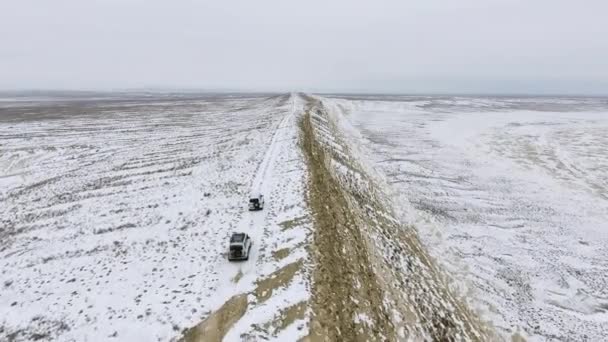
253, 200
237, 238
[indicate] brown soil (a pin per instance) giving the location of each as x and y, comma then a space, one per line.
344, 285
289, 315
278, 279
215, 327
293, 222
280, 254
217, 324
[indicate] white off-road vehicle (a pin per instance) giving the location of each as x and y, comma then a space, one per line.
256, 201
240, 245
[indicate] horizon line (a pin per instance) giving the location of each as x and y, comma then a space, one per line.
160, 90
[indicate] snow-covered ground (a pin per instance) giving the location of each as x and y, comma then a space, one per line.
115, 210
115, 215
510, 195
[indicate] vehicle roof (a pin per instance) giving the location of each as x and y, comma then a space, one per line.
237, 237
256, 194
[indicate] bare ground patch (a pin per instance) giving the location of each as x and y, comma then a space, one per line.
289, 315
280, 254
219, 322
344, 285
215, 327
288, 224
279, 278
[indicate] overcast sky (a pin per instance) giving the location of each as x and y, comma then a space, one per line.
464, 46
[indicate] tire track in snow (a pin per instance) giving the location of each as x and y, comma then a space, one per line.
253, 222
273, 288
169, 219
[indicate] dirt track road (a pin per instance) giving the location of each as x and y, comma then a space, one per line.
373, 279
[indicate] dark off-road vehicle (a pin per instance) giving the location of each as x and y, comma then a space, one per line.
256, 201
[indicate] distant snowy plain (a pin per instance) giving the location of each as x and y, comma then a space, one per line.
115, 214
509, 194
